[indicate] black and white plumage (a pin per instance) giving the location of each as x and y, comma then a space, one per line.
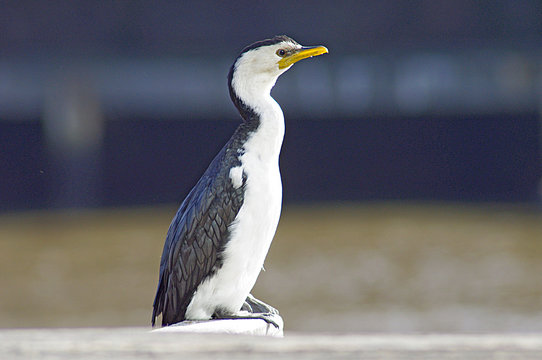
217, 242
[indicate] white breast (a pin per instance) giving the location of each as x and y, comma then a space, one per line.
254, 227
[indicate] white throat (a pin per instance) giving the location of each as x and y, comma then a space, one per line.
255, 92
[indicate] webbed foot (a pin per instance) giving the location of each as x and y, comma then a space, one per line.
270, 318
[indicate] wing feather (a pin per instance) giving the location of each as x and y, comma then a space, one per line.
195, 239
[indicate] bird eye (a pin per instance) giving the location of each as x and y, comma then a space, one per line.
281, 52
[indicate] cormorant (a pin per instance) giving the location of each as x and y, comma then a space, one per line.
218, 240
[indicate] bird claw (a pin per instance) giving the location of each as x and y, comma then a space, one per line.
269, 318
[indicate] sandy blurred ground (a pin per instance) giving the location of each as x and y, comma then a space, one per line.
365, 268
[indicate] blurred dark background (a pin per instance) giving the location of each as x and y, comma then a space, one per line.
121, 103
411, 163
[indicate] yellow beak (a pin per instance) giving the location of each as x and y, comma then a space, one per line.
301, 54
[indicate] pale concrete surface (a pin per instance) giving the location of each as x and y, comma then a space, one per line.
140, 343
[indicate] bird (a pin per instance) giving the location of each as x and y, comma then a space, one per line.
218, 239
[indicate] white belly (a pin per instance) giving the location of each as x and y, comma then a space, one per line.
251, 234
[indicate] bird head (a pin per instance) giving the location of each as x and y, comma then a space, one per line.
259, 65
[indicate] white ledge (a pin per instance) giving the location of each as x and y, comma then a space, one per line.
229, 326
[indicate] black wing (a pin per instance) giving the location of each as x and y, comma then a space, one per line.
196, 237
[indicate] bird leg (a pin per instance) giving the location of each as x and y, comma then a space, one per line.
254, 305
252, 309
